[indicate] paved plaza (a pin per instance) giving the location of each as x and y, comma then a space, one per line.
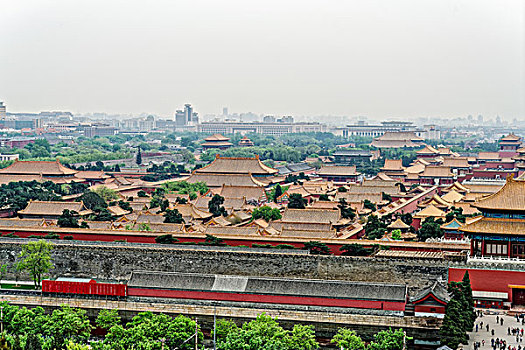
500, 331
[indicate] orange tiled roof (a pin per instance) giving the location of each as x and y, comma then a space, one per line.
431, 211
248, 192
233, 165
496, 226
393, 164
456, 162
510, 197
7, 178
335, 170
398, 224
53, 208
428, 150
217, 137
217, 144
417, 168
488, 155
190, 212
219, 180
436, 171
452, 196
510, 137
310, 215
44, 168
85, 174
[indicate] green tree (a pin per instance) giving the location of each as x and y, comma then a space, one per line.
166, 239
388, 340
266, 213
452, 332
317, 248
212, 240
142, 193
138, 159
4, 344
374, 227
262, 333
107, 194
215, 206
103, 215
303, 337
429, 229
148, 331
125, 205
467, 292
278, 192
354, 249
108, 318
35, 258
173, 217
369, 205
76, 346
93, 201
223, 328
347, 339
296, 201
3, 272
396, 235
68, 219
67, 324
346, 211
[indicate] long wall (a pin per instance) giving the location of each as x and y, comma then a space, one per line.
103, 261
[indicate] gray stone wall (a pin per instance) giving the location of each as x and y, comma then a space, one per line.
111, 262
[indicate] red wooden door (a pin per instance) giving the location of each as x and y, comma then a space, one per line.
518, 296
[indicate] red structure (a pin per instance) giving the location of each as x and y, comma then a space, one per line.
83, 286
493, 288
291, 291
431, 301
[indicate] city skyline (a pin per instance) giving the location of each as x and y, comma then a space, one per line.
377, 59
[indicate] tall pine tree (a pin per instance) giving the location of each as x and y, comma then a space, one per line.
139, 157
467, 292
278, 192
452, 331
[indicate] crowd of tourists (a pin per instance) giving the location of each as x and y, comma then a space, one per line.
497, 343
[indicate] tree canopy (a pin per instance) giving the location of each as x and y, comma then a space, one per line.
35, 258
266, 213
215, 206
296, 201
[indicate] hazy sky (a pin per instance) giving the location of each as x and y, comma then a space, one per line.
382, 58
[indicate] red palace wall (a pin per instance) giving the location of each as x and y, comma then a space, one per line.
430, 309
489, 280
272, 299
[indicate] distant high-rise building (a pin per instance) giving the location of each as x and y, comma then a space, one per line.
195, 118
225, 111
286, 119
188, 112
480, 119
2, 110
269, 119
186, 117
180, 118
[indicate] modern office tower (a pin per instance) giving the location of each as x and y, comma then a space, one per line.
2, 111
180, 118
188, 111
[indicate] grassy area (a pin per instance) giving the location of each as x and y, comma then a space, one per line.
13, 286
